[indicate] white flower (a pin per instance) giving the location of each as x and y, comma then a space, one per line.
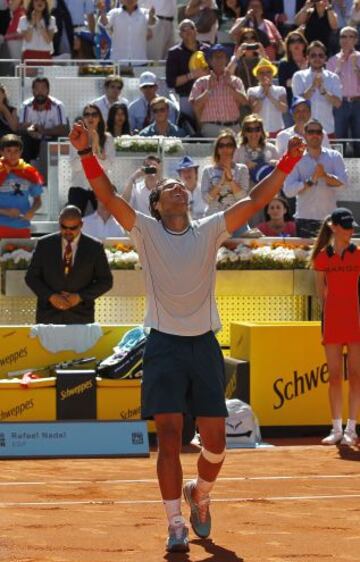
16, 256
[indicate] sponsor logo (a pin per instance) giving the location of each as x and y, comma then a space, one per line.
130, 413
17, 410
76, 390
137, 438
299, 384
2, 440
13, 357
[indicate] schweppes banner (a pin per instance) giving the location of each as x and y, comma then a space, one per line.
288, 372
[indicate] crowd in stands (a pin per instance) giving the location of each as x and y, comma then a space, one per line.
249, 74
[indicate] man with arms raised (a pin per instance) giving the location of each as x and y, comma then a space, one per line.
183, 364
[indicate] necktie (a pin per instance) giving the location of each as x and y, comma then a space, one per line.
147, 119
67, 258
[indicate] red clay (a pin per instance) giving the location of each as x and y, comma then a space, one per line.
72, 510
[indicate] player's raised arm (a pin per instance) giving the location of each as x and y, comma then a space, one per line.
239, 213
98, 179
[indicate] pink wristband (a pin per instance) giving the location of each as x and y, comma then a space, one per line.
287, 163
92, 167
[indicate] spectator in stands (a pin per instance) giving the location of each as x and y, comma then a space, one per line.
278, 220
268, 34
102, 143
189, 174
83, 45
64, 37
163, 35
355, 13
267, 99
179, 73
37, 28
295, 59
322, 87
9, 121
284, 13
315, 181
66, 288
204, 15
346, 65
130, 28
42, 119
12, 37
218, 97
141, 183
246, 56
82, 13
140, 114
162, 125
301, 112
20, 190
342, 9
319, 21
113, 86
224, 182
259, 155
118, 123
101, 224
4, 16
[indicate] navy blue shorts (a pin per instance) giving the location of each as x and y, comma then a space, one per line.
183, 374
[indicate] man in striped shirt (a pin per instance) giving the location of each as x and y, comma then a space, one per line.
217, 97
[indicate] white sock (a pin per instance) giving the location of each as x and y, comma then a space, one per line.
173, 511
337, 425
203, 487
350, 425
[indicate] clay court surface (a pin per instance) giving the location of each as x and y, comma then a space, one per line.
288, 503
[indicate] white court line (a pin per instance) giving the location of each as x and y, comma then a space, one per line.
154, 480
143, 502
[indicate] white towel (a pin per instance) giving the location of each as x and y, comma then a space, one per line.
71, 337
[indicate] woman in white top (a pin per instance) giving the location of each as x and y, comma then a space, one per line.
37, 28
266, 99
102, 143
224, 182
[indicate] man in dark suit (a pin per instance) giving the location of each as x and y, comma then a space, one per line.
68, 271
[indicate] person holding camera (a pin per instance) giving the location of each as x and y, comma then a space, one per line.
141, 183
267, 31
246, 55
319, 21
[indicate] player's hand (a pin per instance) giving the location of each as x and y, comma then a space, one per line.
79, 136
296, 147
59, 301
72, 298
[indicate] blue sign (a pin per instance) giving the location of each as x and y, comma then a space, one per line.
74, 439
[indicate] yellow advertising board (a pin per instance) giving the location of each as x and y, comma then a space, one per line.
288, 371
118, 399
35, 403
19, 350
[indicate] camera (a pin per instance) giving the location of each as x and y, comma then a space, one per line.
252, 46
150, 170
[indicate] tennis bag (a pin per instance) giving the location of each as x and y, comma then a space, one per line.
126, 361
241, 426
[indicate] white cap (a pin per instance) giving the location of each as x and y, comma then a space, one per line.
147, 79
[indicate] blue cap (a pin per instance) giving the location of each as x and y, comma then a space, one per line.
218, 48
297, 100
185, 163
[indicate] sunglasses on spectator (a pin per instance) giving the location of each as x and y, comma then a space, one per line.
66, 227
314, 132
255, 129
160, 109
91, 114
317, 56
226, 145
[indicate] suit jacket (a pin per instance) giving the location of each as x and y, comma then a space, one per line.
90, 277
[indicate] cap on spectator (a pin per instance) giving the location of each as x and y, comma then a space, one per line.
297, 100
343, 217
147, 79
265, 63
218, 48
186, 163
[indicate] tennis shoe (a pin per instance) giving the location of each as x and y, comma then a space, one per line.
333, 438
349, 438
178, 536
200, 518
